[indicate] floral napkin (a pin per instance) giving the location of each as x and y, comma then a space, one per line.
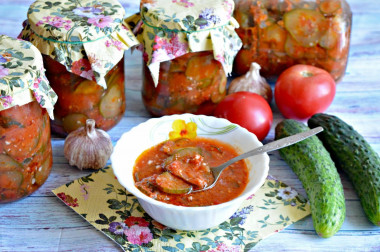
103, 202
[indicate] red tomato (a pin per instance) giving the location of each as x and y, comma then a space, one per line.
248, 110
303, 90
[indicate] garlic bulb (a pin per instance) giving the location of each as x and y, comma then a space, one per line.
87, 147
252, 82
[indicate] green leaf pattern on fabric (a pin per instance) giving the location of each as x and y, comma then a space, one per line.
76, 31
170, 31
22, 75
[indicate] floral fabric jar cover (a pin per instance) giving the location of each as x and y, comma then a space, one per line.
22, 76
171, 28
88, 37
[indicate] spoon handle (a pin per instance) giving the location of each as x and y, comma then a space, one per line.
275, 145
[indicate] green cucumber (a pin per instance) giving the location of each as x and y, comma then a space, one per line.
353, 154
169, 183
313, 165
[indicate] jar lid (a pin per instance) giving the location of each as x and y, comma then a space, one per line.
88, 37
22, 76
172, 28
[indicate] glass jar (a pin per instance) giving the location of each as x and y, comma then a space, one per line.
188, 50
83, 44
80, 98
25, 150
26, 102
277, 34
193, 83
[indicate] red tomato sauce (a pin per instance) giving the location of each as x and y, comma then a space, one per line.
193, 83
81, 99
277, 34
230, 185
25, 150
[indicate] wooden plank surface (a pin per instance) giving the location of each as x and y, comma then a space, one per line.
41, 222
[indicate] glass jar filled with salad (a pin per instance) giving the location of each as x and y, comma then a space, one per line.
83, 44
26, 101
280, 33
188, 50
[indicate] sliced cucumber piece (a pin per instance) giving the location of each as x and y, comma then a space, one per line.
275, 35
182, 152
6, 122
205, 83
329, 39
201, 67
293, 49
43, 171
305, 26
112, 102
72, 122
177, 66
169, 183
218, 94
329, 7
87, 87
11, 179
8, 164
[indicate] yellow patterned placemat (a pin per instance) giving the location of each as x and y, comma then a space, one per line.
105, 204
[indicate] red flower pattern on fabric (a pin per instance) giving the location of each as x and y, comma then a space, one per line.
70, 201
139, 221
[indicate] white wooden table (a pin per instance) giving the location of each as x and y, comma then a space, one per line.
41, 222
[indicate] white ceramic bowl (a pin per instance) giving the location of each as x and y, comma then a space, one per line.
156, 130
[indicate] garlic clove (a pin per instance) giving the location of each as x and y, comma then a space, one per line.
88, 147
253, 82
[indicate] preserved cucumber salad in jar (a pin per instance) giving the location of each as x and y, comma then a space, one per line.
280, 33
83, 44
188, 50
26, 101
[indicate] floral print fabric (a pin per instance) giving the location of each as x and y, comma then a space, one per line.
88, 37
107, 206
22, 76
171, 28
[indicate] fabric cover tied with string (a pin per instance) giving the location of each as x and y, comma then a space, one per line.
168, 29
22, 76
86, 32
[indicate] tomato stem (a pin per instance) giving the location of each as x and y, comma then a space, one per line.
306, 74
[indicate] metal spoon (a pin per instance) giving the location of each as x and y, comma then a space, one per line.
275, 145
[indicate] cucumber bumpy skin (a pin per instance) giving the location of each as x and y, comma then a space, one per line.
353, 154
313, 165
